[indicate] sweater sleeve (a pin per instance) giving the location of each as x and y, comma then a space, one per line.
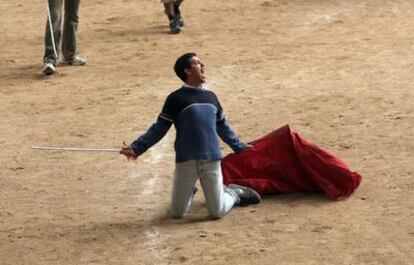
229, 137
157, 130
152, 136
225, 132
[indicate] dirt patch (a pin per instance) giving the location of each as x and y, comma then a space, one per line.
339, 72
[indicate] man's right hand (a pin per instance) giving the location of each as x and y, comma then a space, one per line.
127, 151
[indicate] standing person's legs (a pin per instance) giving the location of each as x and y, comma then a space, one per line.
219, 200
169, 7
177, 12
185, 176
70, 28
55, 9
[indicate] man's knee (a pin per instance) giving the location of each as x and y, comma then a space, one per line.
73, 19
217, 214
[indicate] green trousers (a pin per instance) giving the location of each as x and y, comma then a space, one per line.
64, 38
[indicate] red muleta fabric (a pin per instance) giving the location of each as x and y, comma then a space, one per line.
284, 162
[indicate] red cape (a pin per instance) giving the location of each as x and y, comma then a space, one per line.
284, 162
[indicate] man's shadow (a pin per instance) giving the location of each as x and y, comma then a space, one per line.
138, 226
199, 214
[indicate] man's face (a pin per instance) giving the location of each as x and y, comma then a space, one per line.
195, 74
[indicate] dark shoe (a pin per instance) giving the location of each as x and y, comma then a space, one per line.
75, 61
178, 15
48, 69
245, 195
174, 25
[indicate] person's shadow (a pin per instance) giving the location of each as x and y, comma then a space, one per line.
198, 212
25, 73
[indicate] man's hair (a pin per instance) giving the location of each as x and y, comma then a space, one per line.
182, 63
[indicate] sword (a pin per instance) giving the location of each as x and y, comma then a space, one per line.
74, 149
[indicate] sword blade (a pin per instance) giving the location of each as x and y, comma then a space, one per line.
74, 149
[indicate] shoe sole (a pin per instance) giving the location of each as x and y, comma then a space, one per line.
175, 31
73, 64
48, 71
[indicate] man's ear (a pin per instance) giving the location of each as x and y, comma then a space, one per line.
187, 71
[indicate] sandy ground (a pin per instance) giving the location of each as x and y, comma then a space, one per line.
340, 72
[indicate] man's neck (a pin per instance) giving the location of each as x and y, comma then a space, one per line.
193, 85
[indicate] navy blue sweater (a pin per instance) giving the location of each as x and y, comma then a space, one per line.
198, 119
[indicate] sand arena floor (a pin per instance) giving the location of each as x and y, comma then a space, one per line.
339, 72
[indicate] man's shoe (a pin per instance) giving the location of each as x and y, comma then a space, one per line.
48, 69
245, 195
174, 25
75, 61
